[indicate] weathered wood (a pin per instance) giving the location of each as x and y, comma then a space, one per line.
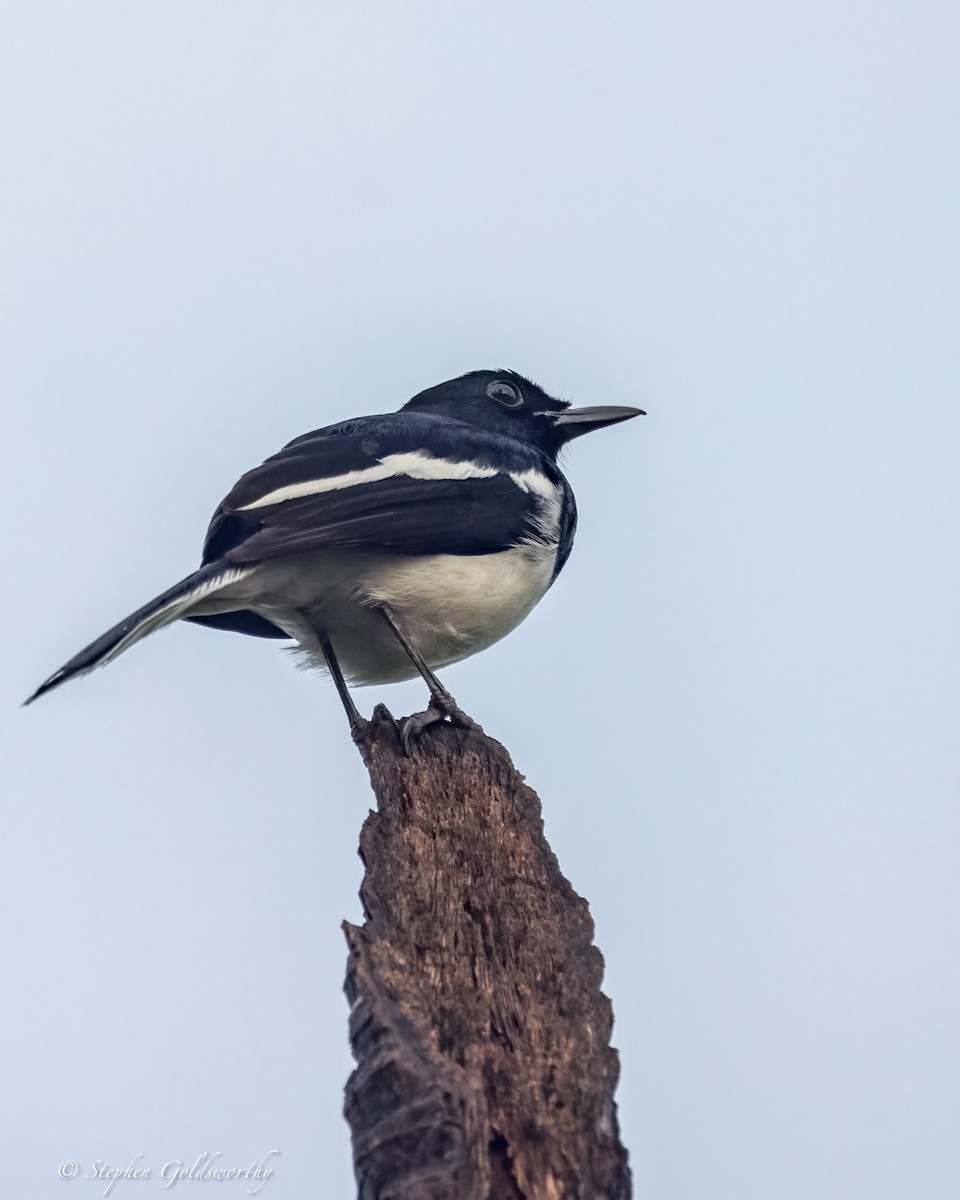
477, 1021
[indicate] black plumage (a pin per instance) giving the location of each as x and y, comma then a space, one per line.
399, 513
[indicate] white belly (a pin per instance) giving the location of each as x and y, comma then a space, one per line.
449, 606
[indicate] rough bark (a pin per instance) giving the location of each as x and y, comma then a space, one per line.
477, 1021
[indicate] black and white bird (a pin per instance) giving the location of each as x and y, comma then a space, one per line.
388, 546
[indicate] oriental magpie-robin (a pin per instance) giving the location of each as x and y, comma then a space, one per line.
387, 546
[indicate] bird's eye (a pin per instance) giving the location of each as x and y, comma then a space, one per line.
505, 393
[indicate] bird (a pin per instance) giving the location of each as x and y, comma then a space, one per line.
388, 546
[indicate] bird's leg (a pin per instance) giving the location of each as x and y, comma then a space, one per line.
296, 625
359, 726
313, 639
442, 704
440, 698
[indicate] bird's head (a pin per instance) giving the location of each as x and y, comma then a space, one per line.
506, 403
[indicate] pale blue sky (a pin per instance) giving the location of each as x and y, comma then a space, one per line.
224, 224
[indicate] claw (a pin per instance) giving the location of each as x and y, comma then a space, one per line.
363, 731
414, 725
383, 716
459, 718
444, 703
440, 707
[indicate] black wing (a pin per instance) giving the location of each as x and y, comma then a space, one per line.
349, 487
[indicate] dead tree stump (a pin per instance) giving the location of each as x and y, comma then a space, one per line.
484, 1069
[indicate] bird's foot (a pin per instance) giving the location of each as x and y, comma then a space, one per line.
363, 732
441, 706
443, 702
360, 729
415, 724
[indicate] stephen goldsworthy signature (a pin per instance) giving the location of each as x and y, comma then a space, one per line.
206, 1166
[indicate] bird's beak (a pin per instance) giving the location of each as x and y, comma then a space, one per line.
583, 420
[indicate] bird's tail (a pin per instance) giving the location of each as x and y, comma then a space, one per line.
161, 611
